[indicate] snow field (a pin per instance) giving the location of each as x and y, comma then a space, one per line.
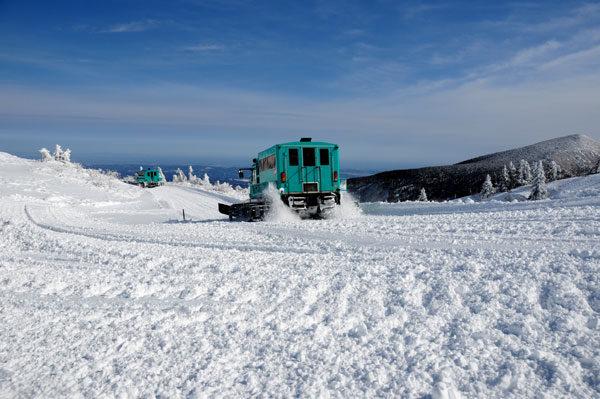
105, 292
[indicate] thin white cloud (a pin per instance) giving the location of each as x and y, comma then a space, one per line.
576, 17
418, 10
589, 58
453, 58
353, 32
204, 47
533, 54
134, 26
579, 52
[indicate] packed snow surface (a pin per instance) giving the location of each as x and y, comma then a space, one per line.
106, 292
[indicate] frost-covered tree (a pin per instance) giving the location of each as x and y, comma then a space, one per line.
524, 175
596, 169
162, 175
552, 171
539, 190
179, 176
45, 155
422, 196
206, 180
512, 173
111, 173
191, 177
505, 183
533, 170
60, 155
488, 188
222, 187
57, 153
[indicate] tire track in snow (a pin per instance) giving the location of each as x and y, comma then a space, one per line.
403, 240
400, 240
131, 239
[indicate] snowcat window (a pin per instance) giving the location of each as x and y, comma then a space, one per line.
324, 155
293, 157
308, 155
267, 163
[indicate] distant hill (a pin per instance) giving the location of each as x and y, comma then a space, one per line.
576, 155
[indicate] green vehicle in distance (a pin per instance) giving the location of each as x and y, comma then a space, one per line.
303, 174
148, 178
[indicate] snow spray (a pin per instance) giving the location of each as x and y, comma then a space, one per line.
279, 211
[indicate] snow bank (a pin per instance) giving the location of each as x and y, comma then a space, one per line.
104, 293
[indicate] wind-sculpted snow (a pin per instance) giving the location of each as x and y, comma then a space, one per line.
106, 292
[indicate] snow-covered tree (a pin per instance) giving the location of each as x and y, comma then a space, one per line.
553, 171
67, 156
222, 187
111, 173
179, 176
206, 180
57, 153
45, 155
488, 188
60, 155
512, 173
524, 175
191, 177
539, 190
596, 169
505, 183
162, 175
534, 167
422, 196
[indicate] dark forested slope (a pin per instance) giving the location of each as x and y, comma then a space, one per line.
576, 155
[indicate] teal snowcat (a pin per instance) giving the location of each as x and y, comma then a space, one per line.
148, 178
304, 174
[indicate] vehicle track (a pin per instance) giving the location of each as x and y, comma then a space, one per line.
125, 238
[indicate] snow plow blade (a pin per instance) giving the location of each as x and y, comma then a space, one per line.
249, 211
224, 209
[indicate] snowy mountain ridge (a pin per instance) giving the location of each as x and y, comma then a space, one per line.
575, 152
576, 155
105, 291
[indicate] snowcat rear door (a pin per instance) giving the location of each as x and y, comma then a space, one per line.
325, 169
310, 170
293, 171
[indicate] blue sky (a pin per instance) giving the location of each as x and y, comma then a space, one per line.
396, 84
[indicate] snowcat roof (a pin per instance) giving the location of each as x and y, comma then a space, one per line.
273, 149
